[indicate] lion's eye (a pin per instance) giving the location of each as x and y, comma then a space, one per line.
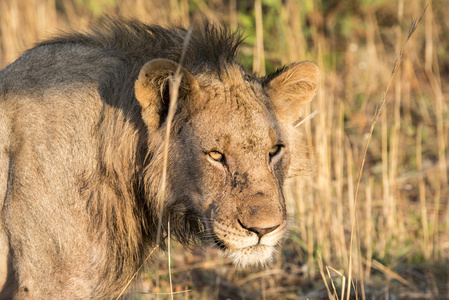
217, 156
275, 150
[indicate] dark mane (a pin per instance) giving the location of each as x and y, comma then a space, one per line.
211, 47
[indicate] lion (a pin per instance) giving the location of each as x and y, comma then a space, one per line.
83, 119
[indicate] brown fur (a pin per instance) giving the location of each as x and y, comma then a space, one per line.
82, 125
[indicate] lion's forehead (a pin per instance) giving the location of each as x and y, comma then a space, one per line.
243, 106
248, 127
235, 116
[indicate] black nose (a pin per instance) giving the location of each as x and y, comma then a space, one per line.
262, 231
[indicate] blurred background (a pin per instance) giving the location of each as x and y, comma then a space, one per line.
400, 237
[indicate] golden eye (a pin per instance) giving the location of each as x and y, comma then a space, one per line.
215, 155
275, 150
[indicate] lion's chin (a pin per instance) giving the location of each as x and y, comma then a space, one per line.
257, 255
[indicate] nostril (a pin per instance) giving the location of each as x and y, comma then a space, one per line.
263, 231
260, 231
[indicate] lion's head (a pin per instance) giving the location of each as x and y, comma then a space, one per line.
233, 144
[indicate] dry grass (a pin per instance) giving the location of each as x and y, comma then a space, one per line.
400, 203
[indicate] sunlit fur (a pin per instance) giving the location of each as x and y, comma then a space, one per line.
81, 157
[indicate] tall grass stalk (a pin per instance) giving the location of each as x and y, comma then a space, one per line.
259, 53
174, 84
169, 261
137, 272
382, 104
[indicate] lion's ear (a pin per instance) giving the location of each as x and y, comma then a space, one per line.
291, 88
152, 89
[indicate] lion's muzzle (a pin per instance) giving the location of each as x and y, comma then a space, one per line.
251, 236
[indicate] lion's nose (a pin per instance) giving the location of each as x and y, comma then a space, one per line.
261, 219
262, 231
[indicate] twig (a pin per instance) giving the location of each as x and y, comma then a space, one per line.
308, 117
174, 82
320, 265
169, 262
135, 273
